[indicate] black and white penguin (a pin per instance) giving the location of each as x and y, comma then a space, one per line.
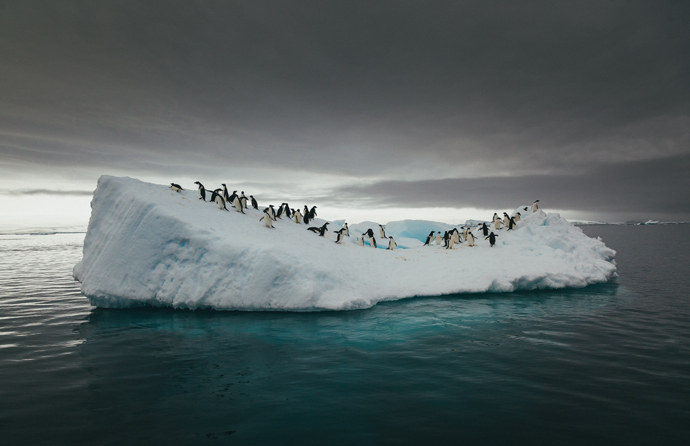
268, 222
202, 191
506, 219
511, 223
226, 195
305, 218
470, 238
340, 238
321, 231
445, 238
382, 231
455, 236
492, 239
255, 205
391, 244
429, 238
535, 206
232, 197
287, 210
346, 230
483, 228
272, 212
238, 203
298, 216
372, 240
176, 187
497, 221
438, 238
312, 213
217, 198
360, 240
306, 211
280, 212
517, 217
243, 199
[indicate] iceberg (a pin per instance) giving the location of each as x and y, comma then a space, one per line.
147, 245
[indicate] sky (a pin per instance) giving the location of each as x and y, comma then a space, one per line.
372, 110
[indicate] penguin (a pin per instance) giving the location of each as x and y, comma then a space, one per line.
226, 195
445, 238
267, 220
219, 200
306, 211
176, 187
360, 241
298, 216
391, 244
214, 193
483, 228
272, 212
451, 240
492, 239
511, 224
243, 200
202, 191
429, 238
456, 236
346, 229
517, 217
470, 238
255, 205
497, 222
382, 231
438, 238
312, 213
280, 212
321, 231
506, 219
340, 239
535, 206
238, 204
287, 210
231, 198
305, 218
372, 240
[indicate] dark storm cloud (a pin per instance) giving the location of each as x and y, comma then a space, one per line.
648, 187
371, 89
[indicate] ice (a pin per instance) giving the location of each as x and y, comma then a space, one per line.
148, 245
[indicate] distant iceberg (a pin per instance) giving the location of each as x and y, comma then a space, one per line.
148, 245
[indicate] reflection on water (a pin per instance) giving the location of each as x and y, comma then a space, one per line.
607, 364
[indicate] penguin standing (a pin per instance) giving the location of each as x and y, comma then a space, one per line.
306, 217
226, 195
243, 200
517, 217
272, 212
219, 200
455, 237
470, 238
360, 240
445, 238
312, 213
511, 224
429, 238
306, 211
202, 191
214, 193
506, 219
232, 197
372, 240
483, 228
176, 187
391, 244
497, 221
255, 205
298, 216
535, 206
238, 204
346, 230
268, 222
287, 210
340, 238
451, 240
280, 212
492, 239
438, 238
382, 231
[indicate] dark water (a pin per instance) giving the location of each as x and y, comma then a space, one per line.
608, 364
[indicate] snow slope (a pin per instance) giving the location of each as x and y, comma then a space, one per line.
148, 245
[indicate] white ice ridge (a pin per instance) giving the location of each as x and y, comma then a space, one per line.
149, 245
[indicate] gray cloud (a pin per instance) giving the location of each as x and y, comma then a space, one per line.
377, 90
20, 192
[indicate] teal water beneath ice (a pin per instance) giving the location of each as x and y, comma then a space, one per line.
608, 364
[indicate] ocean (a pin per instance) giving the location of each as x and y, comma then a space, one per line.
607, 364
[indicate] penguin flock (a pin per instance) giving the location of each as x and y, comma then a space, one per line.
221, 198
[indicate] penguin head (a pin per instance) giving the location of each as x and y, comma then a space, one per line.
222, 184
196, 182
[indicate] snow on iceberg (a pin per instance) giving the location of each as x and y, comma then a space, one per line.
148, 245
